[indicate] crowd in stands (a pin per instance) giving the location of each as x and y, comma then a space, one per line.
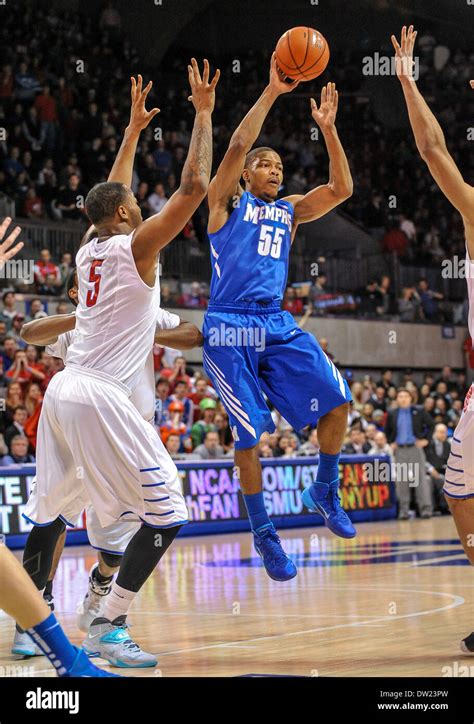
64, 123
192, 421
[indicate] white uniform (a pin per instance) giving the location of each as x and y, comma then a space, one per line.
459, 477
94, 447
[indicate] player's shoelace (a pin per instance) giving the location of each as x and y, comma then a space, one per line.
273, 546
121, 636
332, 504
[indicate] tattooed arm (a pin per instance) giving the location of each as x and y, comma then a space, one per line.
156, 232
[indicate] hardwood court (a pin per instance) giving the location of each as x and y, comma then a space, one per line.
396, 601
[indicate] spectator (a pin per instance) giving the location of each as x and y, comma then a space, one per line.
380, 445
357, 444
161, 401
409, 305
206, 423
67, 204
22, 371
291, 303
226, 440
408, 430
437, 454
19, 452
194, 299
9, 308
17, 427
36, 307
429, 301
15, 332
311, 446
10, 348
210, 449
174, 424
395, 241
408, 228
181, 390
45, 266
157, 199
371, 300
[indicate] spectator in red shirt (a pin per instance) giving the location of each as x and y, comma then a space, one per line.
33, 206
177, 373
291, 303
33, 404
45, 266
395, 240
47, 109
21, 371
202, 390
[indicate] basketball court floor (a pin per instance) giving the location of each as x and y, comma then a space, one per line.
396, 601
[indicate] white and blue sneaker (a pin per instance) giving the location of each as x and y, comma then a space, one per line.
23, 645
323, 498
111, 641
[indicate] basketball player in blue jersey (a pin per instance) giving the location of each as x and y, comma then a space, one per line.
251, 347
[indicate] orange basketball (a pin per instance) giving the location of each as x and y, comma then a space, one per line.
302, 53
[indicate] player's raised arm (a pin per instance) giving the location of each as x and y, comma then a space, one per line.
157, 231
122, 169
430, 139
225, 183
322, 199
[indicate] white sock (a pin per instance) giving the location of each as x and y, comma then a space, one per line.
118, 602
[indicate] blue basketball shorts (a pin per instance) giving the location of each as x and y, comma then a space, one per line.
250, 352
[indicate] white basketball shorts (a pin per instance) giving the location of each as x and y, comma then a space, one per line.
459, 477
94, 448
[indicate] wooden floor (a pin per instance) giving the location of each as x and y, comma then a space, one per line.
396, 601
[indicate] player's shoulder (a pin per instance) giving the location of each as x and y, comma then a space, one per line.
292, 200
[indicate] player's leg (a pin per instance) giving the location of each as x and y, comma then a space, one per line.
463, 513
110, 543
58, 551
133, 479
233, 371
459, 490
307, 388
108, 635
278, 564
21, 600
37, 562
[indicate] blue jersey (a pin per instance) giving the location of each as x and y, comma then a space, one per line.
249, 254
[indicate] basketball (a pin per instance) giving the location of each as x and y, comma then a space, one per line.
302, 53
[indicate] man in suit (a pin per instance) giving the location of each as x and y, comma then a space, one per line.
437, 454
408, 430
357, 444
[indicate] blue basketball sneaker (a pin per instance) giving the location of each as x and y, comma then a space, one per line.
323, 498
84, 668
267, 543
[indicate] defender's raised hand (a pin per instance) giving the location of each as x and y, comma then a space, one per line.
277, 82
203, 95
325, 115
139, 116
404, 63
6, 249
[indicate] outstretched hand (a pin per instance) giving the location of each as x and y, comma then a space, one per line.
139, 116
325, 115
404, 63
6, 252
203, 93
277, 82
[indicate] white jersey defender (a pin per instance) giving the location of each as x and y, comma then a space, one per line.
459, 478
94, 446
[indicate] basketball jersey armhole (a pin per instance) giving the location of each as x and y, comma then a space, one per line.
227, 223
134, 263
